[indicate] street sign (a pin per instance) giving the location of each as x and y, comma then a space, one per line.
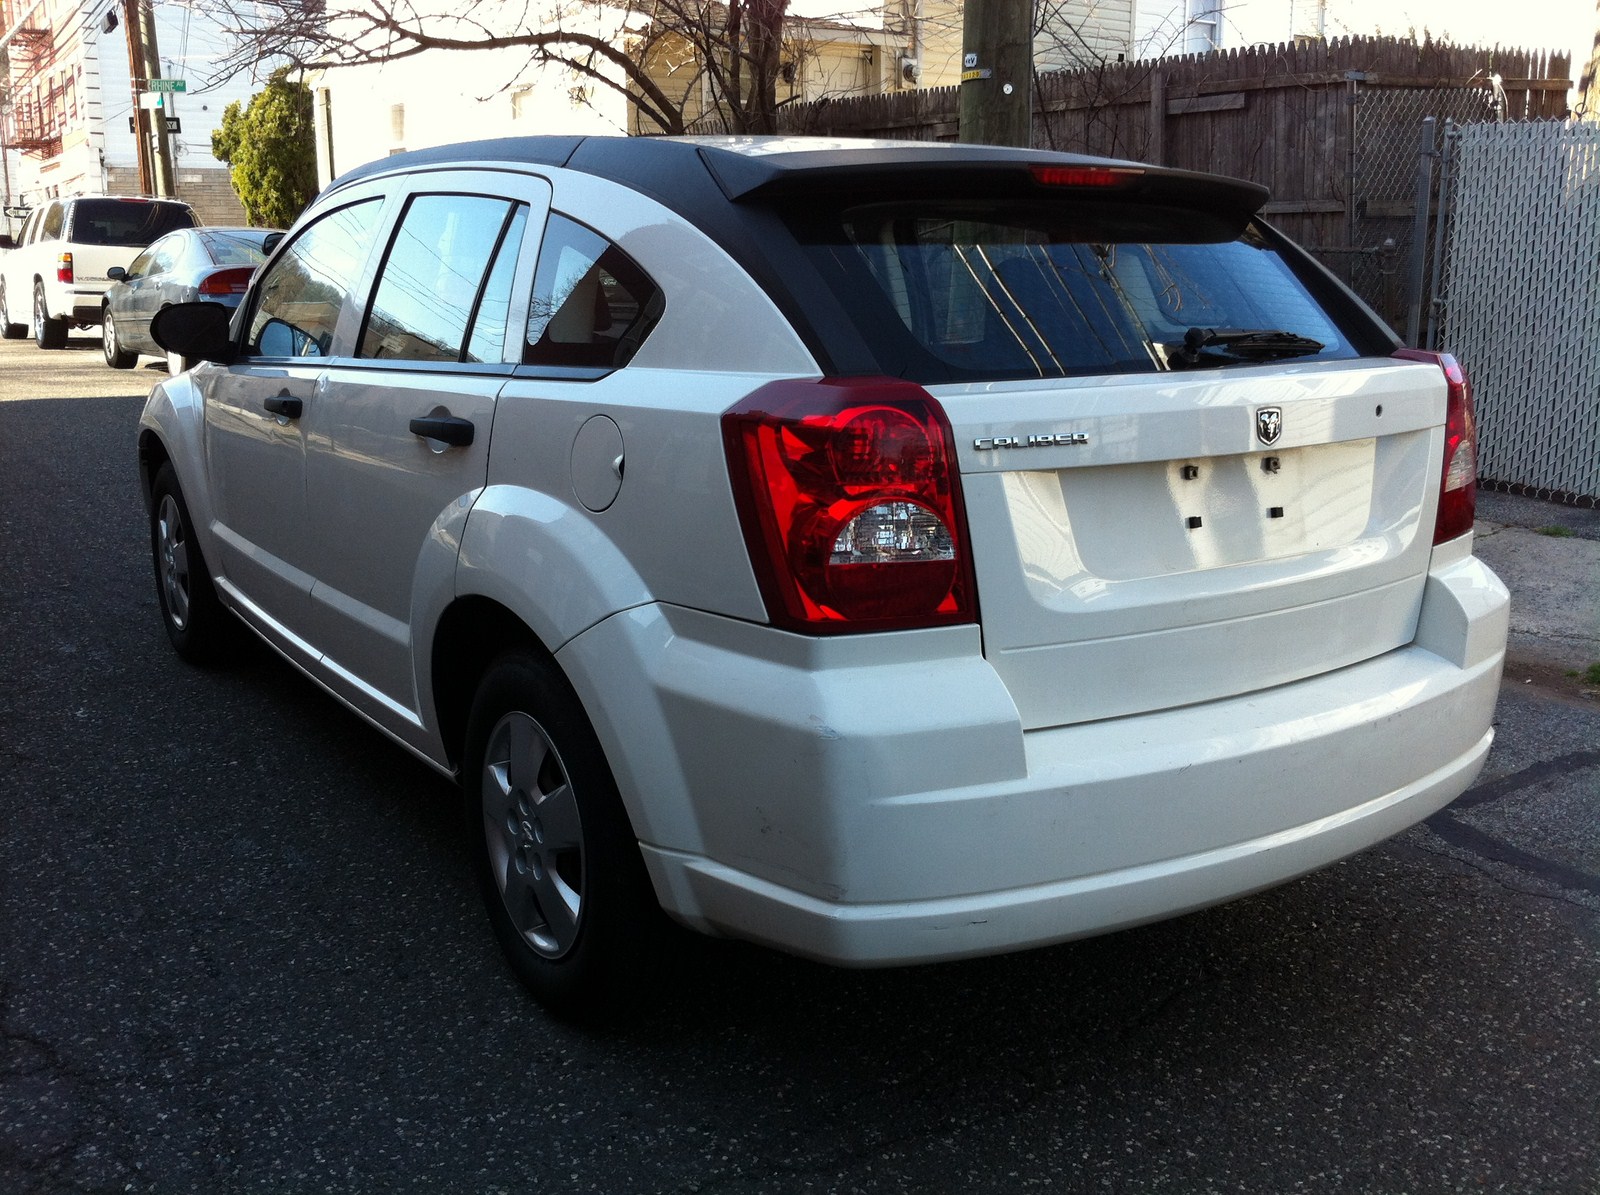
169, 85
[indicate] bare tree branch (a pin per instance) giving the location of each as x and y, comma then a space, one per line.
736, 45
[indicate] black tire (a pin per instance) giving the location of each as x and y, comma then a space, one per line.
201, 629
111, 344
47, 333
9, 330
555, 856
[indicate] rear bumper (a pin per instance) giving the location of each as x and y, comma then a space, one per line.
875, 801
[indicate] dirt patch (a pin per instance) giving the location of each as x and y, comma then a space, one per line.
1551, 680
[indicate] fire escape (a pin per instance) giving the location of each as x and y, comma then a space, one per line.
33, 107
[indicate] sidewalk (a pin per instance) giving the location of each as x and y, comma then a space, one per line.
1549, 557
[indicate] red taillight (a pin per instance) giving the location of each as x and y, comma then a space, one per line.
1084, 176
1458, 476
227, 282
64, 267
851, 506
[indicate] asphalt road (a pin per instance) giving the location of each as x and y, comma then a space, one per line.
239, 951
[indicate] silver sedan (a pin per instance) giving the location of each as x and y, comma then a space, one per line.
206, 264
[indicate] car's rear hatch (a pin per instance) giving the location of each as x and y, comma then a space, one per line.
1169, 556
1191, 469
108, 231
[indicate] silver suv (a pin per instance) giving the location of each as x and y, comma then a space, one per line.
888, 552
54, 271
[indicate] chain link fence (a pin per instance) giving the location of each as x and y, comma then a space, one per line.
1520, 301
1381, 220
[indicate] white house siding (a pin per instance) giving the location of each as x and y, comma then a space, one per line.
1163, 28
1080, 33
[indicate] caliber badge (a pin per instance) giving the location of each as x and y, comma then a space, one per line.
1269, 424
1045, 440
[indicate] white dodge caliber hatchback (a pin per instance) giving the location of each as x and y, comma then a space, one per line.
888, 552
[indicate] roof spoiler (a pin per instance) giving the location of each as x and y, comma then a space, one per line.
977, 171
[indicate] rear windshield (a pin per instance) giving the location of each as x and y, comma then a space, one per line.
129, 222
953, 293
236, 248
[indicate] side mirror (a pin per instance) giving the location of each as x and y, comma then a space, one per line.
272, 241
280, 339
7, 241
117, 274
197, 331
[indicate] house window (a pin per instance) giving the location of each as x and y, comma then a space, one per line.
1204, 27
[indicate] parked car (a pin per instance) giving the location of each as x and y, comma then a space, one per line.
208, 264
57, 269
888, 552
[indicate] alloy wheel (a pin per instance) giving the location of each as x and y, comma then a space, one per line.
534, 834
172, 549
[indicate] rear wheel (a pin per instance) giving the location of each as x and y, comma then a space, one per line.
556, 858
116, 356
201, 630
47, 333
9, 330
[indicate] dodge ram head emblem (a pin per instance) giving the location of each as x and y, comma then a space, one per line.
1269, 424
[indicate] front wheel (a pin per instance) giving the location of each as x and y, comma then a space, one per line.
116, 356
47, 333
201, 630
556, 858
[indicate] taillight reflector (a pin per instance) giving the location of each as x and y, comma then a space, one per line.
227, 282
849, 498
64, 267
1458, 473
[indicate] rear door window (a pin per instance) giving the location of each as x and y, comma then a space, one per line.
432, 286
962, 293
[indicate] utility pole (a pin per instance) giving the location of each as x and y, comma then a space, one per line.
997, 72
136, 83
162, 156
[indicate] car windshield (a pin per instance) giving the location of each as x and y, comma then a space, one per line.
236, 247
960, 293
130, 222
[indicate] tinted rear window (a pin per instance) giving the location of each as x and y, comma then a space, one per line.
130, 222
954, 293
235, 248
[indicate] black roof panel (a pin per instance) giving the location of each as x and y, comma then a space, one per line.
674, 169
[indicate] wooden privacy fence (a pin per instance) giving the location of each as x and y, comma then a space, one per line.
1283, 116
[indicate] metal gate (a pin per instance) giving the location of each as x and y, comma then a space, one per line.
1382, 219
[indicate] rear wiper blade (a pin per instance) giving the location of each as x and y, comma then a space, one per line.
1237, 344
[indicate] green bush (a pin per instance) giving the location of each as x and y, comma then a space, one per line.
271, 151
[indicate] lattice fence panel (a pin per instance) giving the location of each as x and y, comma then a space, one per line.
1522, 302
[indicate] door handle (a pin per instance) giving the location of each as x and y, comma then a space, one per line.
447, 429
288, 408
